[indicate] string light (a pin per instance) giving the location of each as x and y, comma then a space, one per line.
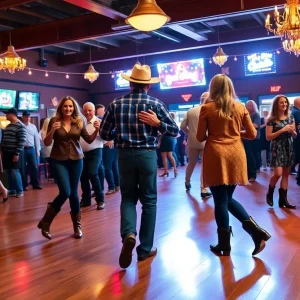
113, 73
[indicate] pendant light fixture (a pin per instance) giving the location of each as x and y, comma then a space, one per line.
91, 74
147, 16
220, 57
10, 61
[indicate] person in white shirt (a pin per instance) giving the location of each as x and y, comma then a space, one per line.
31, 153
91, 162
46, 150
189, 126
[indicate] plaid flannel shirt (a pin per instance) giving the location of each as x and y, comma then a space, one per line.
121, 122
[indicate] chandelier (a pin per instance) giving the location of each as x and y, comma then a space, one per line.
220, 57
91, 74
10, 61
147, 16
287, 26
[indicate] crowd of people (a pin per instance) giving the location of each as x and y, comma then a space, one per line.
120, 144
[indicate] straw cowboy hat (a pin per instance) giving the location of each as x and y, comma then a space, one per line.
141, 74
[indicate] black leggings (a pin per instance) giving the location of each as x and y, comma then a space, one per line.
224, 203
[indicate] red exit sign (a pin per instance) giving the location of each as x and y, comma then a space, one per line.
187, 97
275, 88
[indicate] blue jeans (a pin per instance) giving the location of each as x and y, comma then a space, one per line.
224, 203
91, 162
110, 161
138, 172
101, 173
14, 181
67, 176
30, 163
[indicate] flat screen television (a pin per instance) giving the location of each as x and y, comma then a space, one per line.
260, 63
7, 99
28, 101
182, 74
120, 83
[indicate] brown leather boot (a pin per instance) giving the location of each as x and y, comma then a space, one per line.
77, 225
45, 223
283, 201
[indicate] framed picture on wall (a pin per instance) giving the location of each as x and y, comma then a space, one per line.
51, 112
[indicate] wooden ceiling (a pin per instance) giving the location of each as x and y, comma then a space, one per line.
74, 29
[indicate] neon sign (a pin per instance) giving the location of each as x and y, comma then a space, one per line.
275, 88
260, 63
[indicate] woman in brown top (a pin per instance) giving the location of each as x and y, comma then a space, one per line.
224, 161
65, 129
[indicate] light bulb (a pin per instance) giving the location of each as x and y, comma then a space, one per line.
67, 76
29, 72
210, 61
46, 74
235, 58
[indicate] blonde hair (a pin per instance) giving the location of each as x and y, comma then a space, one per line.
76, 115
45, 125
221, 91
273, 115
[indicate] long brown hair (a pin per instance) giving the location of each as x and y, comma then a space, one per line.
274, 108
76, 115
221, 91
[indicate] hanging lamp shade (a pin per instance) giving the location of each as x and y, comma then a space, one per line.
220, 57
147, 16
91, 74
10, 61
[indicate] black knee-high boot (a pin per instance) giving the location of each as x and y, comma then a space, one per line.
283, 201
259, 235
270, 194
223, 242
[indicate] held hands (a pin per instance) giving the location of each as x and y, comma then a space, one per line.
149, 118
288, 128
97, 125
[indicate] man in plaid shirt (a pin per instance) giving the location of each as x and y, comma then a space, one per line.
134, 121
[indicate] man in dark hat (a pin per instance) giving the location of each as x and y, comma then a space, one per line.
13, 141
31, 153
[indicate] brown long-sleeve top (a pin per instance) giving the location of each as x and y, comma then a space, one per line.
224, 158
67, 144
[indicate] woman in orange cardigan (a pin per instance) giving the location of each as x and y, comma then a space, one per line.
224, 160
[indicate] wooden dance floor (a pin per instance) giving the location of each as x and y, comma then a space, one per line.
184, 268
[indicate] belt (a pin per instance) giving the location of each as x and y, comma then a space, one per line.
27, 147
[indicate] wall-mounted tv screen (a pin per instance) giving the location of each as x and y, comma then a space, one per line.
182, 74
28, 101
120, 83
260, 63
7, 99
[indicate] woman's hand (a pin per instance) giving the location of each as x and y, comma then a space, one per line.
287, 128
55, 126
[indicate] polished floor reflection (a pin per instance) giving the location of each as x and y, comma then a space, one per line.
184, 268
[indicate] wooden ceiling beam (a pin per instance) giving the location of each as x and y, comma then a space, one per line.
4, 4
